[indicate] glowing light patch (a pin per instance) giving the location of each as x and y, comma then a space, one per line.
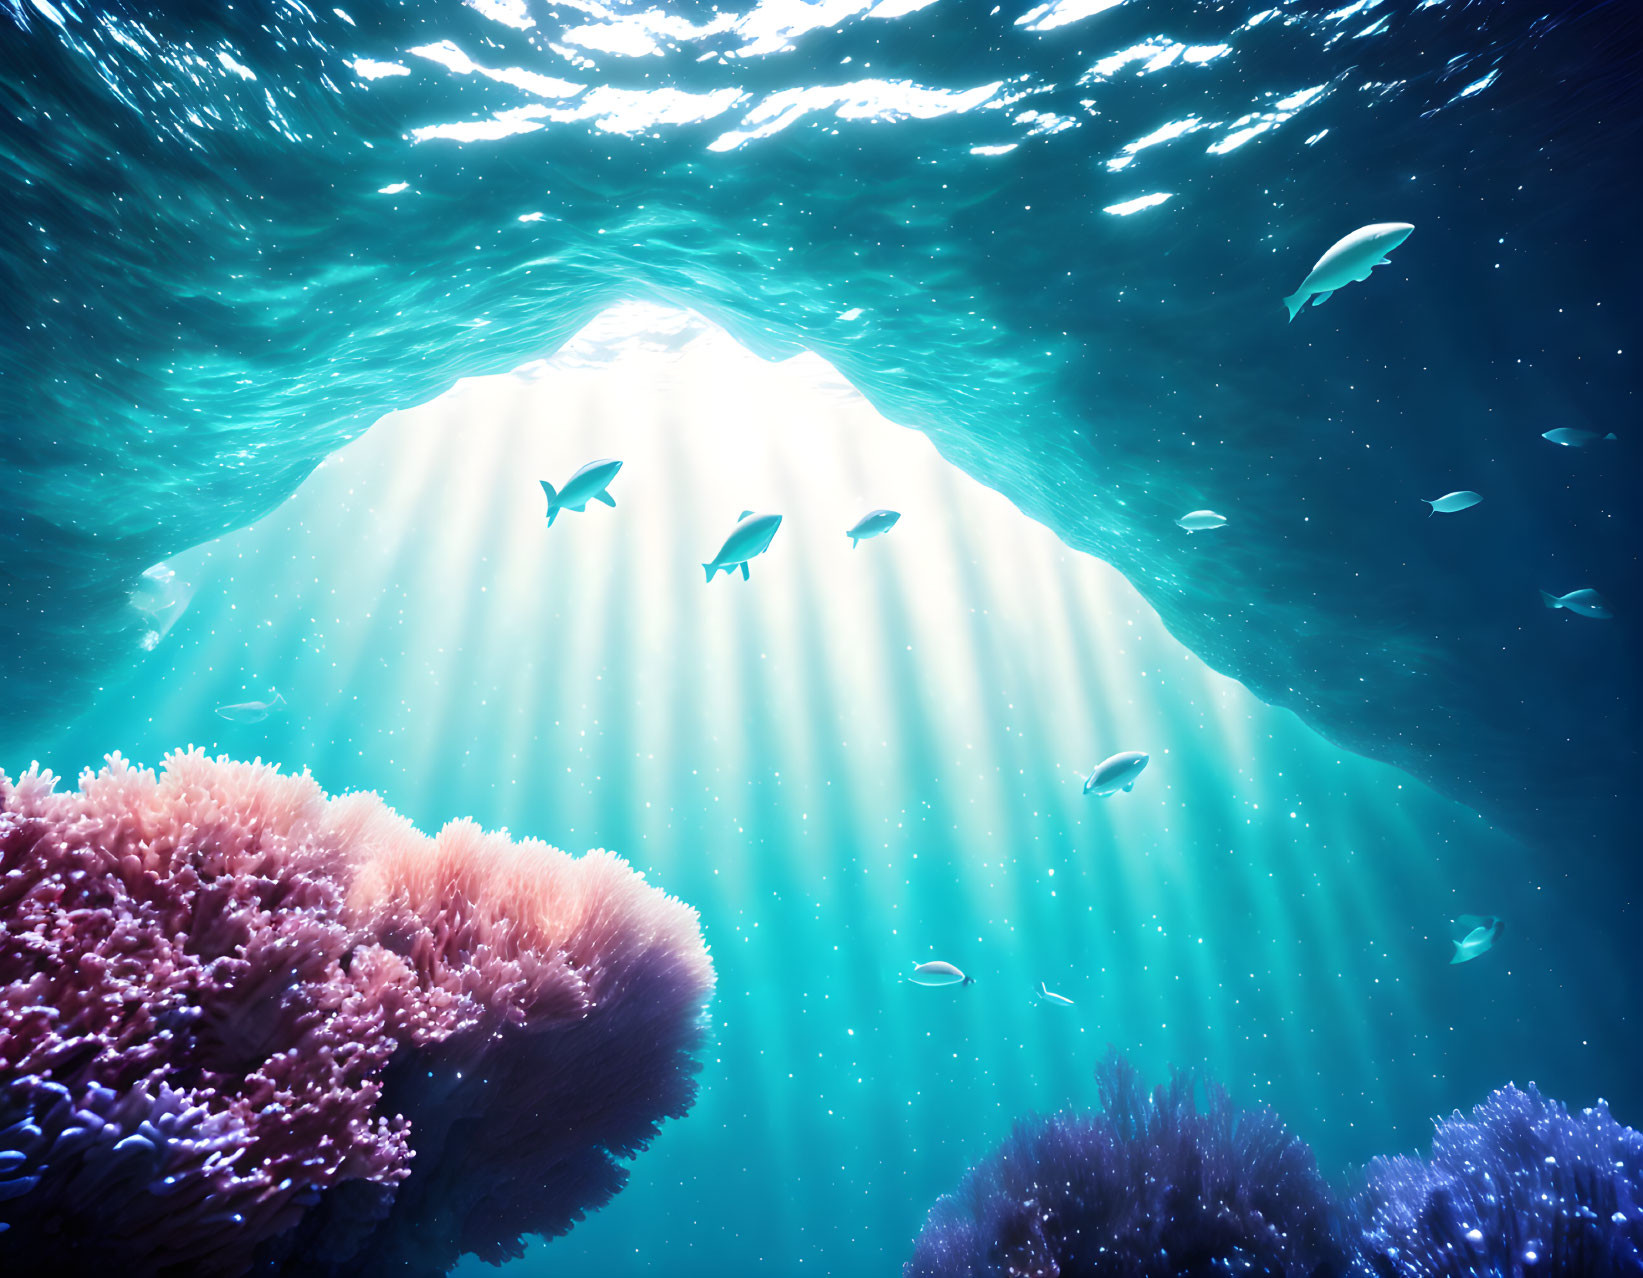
1155, 54
503, 124
1138, 203
994, 150
1199, 54
1306, 97
897, 8
239, 69
510, 13
625, 39
370, 69
1248, 127
1477, 86
393, 188
1166, 133
1059, 13
863, 100
773, 25
449, 56
633, 110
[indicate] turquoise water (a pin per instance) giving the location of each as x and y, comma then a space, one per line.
298, 304
856, 761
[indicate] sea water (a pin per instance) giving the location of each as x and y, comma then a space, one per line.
1015, 272
853, 762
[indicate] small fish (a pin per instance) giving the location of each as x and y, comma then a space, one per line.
939, 973
1477, 936
1201, 521
1348, 260
587, 484
750, 537
1117, 773
1587, 602
1570, 437
1046, 995
1449, 503
875, 523
251, 711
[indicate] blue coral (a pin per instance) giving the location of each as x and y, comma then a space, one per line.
1522, 1187
1152, 1187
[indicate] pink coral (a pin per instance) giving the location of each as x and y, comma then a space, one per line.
243, 1025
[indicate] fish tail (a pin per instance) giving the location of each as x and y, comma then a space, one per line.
710, 570
553, 501
1611, 435
1294, 302
1550, 600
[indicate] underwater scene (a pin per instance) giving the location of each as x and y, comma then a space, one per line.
821, 637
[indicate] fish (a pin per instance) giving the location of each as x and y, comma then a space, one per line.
1201, 521
587, 484
1587, 602
1571, 437
1046, 995
875, 523
1449, 503
251, 711
1117, 773
161, 597
750, 537
1477, 936
939, 973
1348, 261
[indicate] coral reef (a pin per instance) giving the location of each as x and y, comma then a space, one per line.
246, 1027
1521, 1187
1152, 1186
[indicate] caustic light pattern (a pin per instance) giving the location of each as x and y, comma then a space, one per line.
244, 1025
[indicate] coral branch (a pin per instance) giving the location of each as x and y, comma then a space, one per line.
1152, 1187
244, 1025
1521, 1187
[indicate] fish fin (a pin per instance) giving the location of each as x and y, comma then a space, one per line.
969, 980
1385, 261
579, 507
1321, 298
1611, 435
710, 570
1294, 302
1129, 787
1458, 957
278, 701
605, 497
854, 541
743, 515
1550, 600
745, 573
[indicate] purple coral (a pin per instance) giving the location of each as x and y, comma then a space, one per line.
246, 1026
1522, 1187
1151, 1187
